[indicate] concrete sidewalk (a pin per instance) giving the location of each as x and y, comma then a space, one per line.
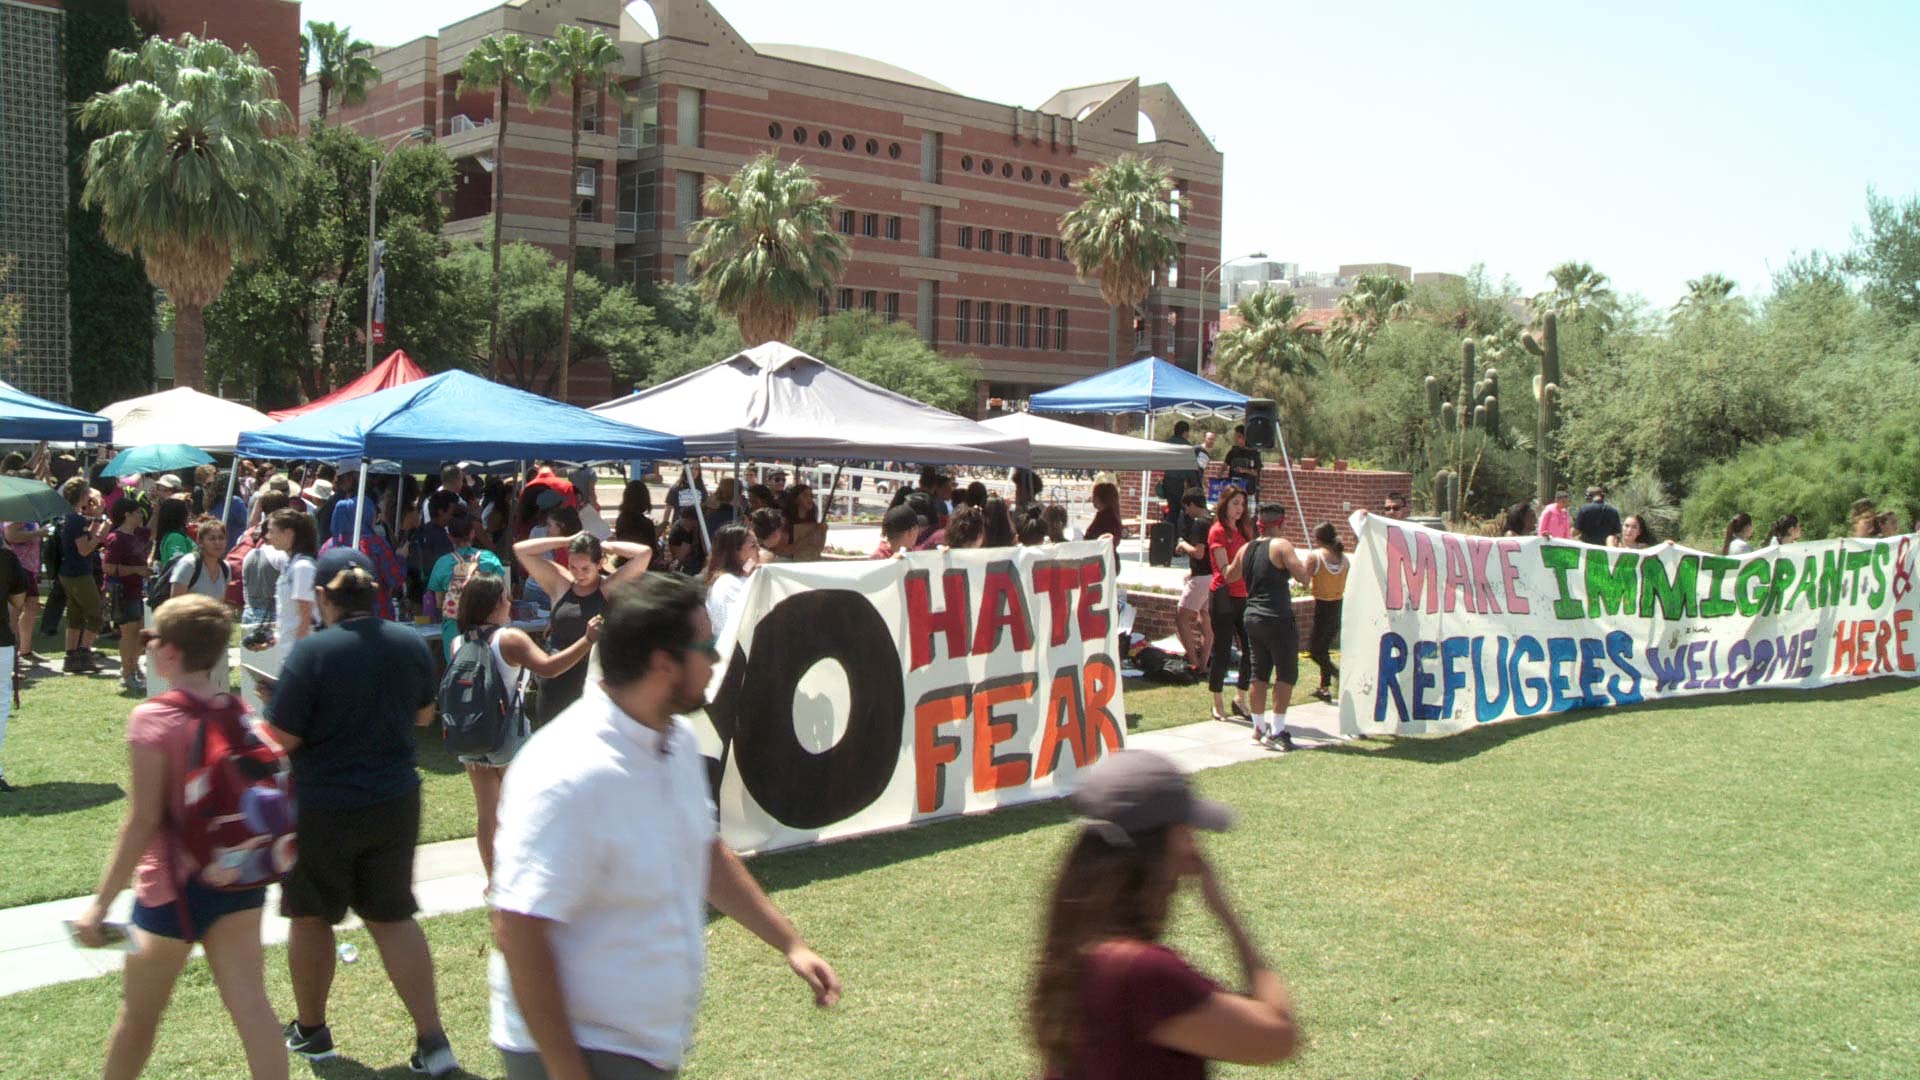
35, 950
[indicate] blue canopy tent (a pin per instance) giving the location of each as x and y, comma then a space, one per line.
1151, 386
453, 416
25, 418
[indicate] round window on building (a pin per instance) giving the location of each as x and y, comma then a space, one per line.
873, 147
825, 139
966, 163
1006, 169
775, 131
800, 135
1026, 172
1046, 176
986, 166
893, 150
847, 143
1065, 180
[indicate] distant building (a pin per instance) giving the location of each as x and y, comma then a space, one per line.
950, 204
1437, 277
1349, 271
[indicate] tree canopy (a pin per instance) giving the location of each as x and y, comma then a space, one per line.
767, 247
1125, 229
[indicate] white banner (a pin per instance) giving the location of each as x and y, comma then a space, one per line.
1443, 631
869, 695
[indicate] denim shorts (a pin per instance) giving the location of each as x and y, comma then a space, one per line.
204, 908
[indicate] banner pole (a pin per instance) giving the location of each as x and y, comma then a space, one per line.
359, 505
1305, 529
699, 510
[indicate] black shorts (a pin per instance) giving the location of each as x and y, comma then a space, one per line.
360, 859
1275, 644
129, 603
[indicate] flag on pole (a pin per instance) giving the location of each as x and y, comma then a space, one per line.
380, 292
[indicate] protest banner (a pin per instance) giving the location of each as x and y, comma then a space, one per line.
868, 695
1444, 631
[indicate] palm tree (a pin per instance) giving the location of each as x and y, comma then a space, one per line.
185, 172
767, 247
1707, 293
1270, 342
1579, 292
1124, 230
344, 64
1372, 302
583, 61
499, 63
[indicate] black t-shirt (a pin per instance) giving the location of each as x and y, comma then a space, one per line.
1244, 461
350, 693
1595, 522
72, 563
1194, 531
13, 582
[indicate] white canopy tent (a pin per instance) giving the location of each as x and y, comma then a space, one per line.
182, 415
775, 402
1057, 444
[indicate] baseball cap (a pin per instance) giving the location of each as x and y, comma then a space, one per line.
329, 565
167, 480
1140, 791
899, 520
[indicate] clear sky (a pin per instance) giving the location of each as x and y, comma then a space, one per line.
1657, 141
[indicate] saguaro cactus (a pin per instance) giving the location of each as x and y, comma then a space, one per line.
1546, 393
1472, 404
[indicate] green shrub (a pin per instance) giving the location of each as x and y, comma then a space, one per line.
1813, 476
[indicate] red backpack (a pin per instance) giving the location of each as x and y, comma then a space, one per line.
239, 824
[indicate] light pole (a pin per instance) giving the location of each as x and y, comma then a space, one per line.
374, 171
1199, 359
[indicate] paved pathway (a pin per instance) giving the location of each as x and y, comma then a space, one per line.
35, 950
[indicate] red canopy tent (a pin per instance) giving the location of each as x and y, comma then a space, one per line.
393, 371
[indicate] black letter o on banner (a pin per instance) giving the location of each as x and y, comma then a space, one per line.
799, 788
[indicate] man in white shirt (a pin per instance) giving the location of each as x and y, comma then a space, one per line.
600, 932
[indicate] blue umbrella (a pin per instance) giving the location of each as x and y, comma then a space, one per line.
156, 458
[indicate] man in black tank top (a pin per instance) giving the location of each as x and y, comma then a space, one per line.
1268, 565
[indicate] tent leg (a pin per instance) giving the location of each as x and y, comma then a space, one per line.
360, 503
1306, 530
233, 469
1145, 475
699, 512
834, 486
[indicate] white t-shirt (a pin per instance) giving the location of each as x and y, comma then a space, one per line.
723, 599
1739, 547
295, 584
627, 905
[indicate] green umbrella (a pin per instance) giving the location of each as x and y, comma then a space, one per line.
159, 457
23, 498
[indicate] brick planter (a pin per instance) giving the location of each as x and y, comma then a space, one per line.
1325, 494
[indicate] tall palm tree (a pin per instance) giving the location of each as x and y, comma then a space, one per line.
1707, 293
1579, 292
1270, 340
185, 172
767, 247
1372, 302
582, 61
1124, 230
502, 64
344, 64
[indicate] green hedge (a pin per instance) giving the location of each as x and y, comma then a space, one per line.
1813, 476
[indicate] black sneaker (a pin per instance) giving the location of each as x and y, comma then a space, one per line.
315, 1044
1285, 740
1324, 695
433, 1057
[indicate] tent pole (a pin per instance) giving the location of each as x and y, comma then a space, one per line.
1145, 476
1305, 529
233, 471
834, 486
699, 510
359, 504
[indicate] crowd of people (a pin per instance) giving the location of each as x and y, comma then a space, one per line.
1599, 523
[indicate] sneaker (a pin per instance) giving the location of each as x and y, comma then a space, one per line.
314, 1045
1259, 732
433, 1057
1284, 740
1324, 695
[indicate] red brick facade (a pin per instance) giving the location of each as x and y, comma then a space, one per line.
270, 28
1326, 494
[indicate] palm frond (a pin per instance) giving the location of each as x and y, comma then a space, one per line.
766, 247
1124, 229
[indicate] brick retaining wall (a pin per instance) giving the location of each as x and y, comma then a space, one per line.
1326, 494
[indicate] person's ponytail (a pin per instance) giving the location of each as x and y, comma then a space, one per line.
1739, 523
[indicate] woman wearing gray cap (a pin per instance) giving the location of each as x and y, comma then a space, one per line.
1110, 1002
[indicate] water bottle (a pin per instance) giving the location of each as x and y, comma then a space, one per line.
348, 953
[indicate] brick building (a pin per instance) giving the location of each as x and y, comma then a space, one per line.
950, 203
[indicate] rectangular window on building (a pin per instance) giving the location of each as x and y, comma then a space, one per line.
1063, 252
687, 120
929, 232
869, 224
1041, 337
986, 240
893, 307
680, 276
930, 157
827, 308
893, 226
1026, 326
927, 304
846, 300
1046, 247
1176, 198
1060, 330
686, 198
1006, 243
640, 124
962, 312
589, 113
1026, 246
984, 322
966, 238
869, 300
635, 205
1004, 334
846, 222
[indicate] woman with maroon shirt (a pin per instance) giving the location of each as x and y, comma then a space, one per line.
1110, 1002
1227, 600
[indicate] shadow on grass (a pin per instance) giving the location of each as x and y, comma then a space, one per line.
857, 855
1446, 749
58, 797
346, 1068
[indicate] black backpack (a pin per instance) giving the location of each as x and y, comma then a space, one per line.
479, 713
160, 585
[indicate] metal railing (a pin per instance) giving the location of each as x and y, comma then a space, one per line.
633, 221
460, 123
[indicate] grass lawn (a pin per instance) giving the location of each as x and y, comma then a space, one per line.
1705, 890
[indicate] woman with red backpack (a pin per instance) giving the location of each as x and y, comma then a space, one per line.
174, 905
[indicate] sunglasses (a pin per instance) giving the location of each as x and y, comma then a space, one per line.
148, 637
709, 647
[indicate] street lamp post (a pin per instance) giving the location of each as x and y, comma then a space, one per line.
374, 171
1198, 359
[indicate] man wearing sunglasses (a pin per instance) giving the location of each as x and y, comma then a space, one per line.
607, 855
